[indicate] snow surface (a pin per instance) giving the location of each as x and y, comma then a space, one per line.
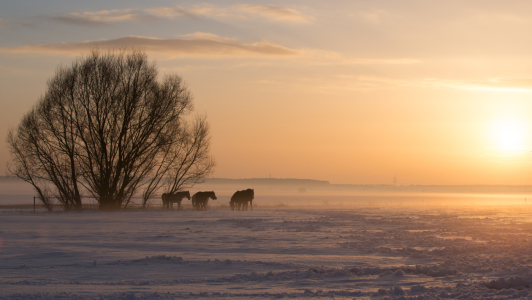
338, 251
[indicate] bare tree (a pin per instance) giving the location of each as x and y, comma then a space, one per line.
107, 125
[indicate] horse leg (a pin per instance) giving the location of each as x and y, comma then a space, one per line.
179, 204
251, 204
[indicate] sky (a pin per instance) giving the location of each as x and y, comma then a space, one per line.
357, 92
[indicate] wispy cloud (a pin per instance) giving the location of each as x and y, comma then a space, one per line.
274, 12
237, 12
102, 17
169, 12
372, 17
205, 45
493, 84
374, 82
382, 61
3, 22
243, 12
499, 152
198, 35
334, 84
324, 57
499, 18
202, 44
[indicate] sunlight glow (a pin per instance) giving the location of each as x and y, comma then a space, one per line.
509, 135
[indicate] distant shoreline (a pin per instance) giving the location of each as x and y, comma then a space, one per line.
313, 183
323, 183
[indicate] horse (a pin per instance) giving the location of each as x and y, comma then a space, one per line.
200, 199
169, 199
240, 199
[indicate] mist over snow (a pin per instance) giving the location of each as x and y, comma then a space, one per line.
295, 243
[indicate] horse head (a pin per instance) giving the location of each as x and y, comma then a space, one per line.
251, 192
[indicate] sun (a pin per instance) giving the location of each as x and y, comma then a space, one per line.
509, 135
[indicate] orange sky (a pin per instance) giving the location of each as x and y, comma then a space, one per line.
346, 92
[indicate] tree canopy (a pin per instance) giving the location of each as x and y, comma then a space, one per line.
107, 127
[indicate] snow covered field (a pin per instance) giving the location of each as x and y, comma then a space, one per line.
371, 251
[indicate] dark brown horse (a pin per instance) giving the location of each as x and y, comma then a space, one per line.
200, 199
169, 199
240, 199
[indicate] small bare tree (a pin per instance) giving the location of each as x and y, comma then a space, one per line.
107, 126
43, 157
25, 167
184, 162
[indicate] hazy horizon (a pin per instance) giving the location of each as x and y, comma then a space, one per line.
351, 93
